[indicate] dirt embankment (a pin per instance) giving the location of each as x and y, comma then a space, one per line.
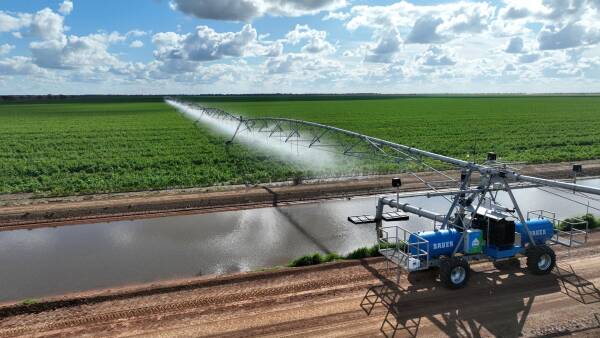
346, 299
24, 211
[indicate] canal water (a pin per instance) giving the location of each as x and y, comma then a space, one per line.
50, 261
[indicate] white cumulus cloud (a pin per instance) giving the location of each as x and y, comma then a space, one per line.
136, 44
383, 51
246, 10
47, 25
205, 44
6, 48
180, 53
316, 41
459, 45
515, 45
425, 30
66, 7
571, 35
75, 52
19, 65
13, 22
436, 56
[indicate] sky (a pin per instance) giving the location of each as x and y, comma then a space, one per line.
298, 46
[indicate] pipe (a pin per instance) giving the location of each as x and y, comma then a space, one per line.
411, 150
406, 208
475, 191
555, 184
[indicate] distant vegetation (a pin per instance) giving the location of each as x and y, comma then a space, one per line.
61, 145
592, 222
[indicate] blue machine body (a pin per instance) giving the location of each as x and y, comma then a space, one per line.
441, 242
541, 230
496, 253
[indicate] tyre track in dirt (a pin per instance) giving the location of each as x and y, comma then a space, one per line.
237, 295
505, 298
324, 301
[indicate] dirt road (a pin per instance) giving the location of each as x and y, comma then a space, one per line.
23, 211
329, 300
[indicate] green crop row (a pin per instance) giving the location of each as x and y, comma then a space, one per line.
62, 149
126, 144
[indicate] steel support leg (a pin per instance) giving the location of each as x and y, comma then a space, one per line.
236, 131
519, 213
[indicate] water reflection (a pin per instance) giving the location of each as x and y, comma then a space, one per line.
56, 260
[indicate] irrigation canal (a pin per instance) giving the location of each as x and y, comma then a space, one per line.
52, 261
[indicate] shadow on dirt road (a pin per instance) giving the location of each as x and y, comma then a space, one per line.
494, 303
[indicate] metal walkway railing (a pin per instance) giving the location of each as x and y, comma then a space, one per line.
403, 248
567, 232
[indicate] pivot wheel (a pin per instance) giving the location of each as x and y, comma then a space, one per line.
454, 272
540, 259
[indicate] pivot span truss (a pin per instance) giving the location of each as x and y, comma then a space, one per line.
335, 140
468, 196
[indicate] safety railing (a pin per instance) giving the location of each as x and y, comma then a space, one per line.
568, 232
406, 249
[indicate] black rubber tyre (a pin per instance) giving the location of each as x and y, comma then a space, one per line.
509, 264
454, 272
540, 260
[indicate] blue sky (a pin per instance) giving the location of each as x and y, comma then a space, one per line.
298, 46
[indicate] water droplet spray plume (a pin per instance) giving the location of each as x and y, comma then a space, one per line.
321, 162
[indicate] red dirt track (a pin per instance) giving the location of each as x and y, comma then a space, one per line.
325, 301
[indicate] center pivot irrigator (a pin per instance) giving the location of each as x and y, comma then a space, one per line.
476, 225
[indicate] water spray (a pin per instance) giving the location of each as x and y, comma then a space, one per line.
312, 159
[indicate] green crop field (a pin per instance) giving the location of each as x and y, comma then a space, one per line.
130, 144
72, 148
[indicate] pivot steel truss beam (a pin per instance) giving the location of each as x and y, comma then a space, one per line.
465, 202
313, 135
